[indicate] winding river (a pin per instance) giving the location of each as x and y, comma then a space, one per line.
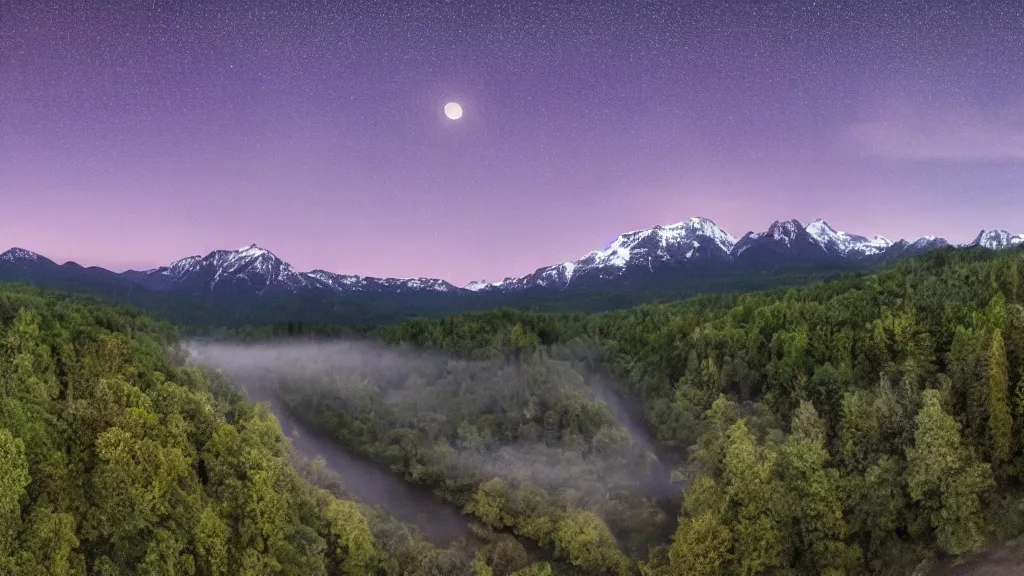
440, 521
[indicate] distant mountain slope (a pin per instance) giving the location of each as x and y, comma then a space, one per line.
697, 249
256, 270
251, 284
998, 239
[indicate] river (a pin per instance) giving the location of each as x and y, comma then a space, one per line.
440, 521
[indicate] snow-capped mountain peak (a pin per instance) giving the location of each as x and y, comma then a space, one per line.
334, 280
262, 259
353, 283
677, 241
20, 255
250, 253
660, 238
258, 266
179, 267
821, 231
695, 239
253, 251
784, 232
260, 270
842, 243
925, 242
252, 266
222, 259
779, 234
998, 239
698, 226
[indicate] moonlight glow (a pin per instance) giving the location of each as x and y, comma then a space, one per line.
452, 110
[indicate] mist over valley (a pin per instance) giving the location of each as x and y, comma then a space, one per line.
449, 424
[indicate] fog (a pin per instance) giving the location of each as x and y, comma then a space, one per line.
407, 381
628, 414
440, 521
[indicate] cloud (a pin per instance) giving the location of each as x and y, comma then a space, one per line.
942, 137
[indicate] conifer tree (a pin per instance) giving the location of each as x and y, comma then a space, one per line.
1000, 421
945, 479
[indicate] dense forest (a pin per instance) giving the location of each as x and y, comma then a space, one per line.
858, 426
116, 458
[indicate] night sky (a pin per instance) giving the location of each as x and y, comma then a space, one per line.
135, 133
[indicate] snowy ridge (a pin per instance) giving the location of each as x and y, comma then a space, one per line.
997, 239
559, 275
781, 234
477, 285
699, 240
255, 261
784, 232
251, 265
688, 231
179, 268
353, 283
263, 271
928, 242
690, 248
842, 243
619, 252
332, 280
21, 255
674, 242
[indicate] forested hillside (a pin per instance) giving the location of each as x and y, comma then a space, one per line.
200, 309
115, 459
859, 426
853, 427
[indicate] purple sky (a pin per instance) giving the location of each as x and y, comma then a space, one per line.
135, 133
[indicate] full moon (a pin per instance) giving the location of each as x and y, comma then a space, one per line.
452, 110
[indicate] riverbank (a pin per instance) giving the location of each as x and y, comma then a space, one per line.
440, 521
1005, 560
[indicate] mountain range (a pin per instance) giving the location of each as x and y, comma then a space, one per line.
672, 261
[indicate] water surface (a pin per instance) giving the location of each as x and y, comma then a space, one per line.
372, 482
